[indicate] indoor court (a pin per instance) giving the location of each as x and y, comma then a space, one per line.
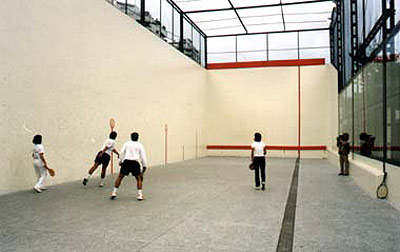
200, 125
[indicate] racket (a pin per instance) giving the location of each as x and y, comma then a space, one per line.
251, 166
382, 190
52, 172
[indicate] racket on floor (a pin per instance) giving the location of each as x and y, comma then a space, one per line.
382, 190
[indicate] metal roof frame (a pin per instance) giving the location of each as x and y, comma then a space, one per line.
235, 9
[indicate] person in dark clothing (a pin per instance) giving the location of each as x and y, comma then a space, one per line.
258, 152
344, 150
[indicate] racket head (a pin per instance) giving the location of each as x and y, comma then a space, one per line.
251, 166
382, 191
52, 172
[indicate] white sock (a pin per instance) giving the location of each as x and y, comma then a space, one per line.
102, 180
139, 191
88, 177
115, 190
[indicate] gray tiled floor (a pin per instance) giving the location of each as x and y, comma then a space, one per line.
201, 205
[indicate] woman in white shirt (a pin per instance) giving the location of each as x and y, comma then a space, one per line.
103, 158
258, 152
39, 163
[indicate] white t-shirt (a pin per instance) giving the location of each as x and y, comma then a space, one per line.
37, 150
258, 148
133, 150
108, 145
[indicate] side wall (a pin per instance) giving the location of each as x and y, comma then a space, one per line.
266, 100
67, 67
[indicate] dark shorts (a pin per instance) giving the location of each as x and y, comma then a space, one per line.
130, 166
103, 159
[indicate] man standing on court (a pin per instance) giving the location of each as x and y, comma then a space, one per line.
344, 150
132, 160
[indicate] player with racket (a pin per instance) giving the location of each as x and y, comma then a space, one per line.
258, 152
40, 164
103, 158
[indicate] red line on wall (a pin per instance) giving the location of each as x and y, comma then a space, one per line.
271, 63
269, 147
299, 133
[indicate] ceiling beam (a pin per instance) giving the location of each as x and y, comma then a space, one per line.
237, 14
271, 32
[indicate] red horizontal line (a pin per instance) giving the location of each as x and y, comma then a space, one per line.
269, 147
271, 63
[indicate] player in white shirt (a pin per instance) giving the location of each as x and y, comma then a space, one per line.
103, 158
258, 152
132, 160
39, 163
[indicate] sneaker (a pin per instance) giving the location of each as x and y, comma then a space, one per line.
140, 196
85, 180
113, 195
257, 187
341, 174
101, 184
263, 186
37, 189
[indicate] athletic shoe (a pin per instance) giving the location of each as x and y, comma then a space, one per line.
113, 195
37, 189
341, 174
257, 188
263, 186
85, 180
140, 196
101, 184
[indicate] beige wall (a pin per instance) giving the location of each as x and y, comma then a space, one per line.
68, 66
266, 100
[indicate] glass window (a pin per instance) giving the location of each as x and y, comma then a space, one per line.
283, 46
176, 28
345, 111
314, 44
393, 102
221, 49
373, 83
187, 38
196, 46
153, 23
252, 47
166, 21
203, 51
130, 7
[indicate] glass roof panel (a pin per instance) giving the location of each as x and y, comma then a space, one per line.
308, 7
243, 3
194, 5
225, 31
209, 17
212, 21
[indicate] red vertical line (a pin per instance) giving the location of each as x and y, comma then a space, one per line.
299, 133
166, 143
